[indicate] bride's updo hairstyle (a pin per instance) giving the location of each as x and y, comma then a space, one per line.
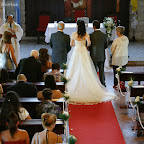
81, 28
48, 119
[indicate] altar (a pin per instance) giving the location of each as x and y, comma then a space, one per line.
72, 27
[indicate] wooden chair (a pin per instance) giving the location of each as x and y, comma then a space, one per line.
35, 125
30, 104
79, 13
43, 22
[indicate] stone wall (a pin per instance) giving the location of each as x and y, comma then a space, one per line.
139, 34
1, 12
22, 13
10, 8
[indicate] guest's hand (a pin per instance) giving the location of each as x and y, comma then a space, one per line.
12, 30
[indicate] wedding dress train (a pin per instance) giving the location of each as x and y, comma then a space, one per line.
84, 86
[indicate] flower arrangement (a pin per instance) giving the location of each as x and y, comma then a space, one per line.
72, 139
130, 83
64, 66
66, 96
137, 100
64, 116
119, 69
64, 79
109, 24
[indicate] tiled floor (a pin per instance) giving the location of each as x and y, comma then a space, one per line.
124, 116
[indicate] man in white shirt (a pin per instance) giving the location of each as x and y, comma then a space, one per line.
17, 31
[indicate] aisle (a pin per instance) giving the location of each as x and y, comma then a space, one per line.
95, 124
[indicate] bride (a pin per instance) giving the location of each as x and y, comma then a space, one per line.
84, 85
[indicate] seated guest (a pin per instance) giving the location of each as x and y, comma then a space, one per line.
11, 103
23, 88
55, 72
4, 76
44, 59
50, 83
1, 91
30, 67
119, 50
14, 135
47, 136
47, 105
8, 51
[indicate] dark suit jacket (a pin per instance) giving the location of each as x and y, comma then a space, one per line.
98, 46
31, 68
60, 44
24, 89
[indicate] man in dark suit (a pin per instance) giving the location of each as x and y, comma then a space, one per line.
97, 49
23, 88
30, 67
60, 44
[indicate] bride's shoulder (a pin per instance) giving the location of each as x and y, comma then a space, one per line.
74, 35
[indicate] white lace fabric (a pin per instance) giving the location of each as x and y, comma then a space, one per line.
84, 86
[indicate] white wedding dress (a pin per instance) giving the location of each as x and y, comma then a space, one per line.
84, 86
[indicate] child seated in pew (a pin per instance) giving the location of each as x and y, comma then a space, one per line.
11, 103
55, 72
47, 136
47, 105
50, 83
14, 135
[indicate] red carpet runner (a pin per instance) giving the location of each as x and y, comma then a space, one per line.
95, 124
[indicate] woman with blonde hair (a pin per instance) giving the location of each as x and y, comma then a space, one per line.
47, 136
7, 52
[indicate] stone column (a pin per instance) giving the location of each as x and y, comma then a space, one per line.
2, 12
22, 14
139, 33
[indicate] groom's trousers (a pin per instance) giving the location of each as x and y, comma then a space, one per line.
100, 65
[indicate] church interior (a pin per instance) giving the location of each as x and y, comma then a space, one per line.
120, 121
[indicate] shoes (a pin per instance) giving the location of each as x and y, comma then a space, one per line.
115, 87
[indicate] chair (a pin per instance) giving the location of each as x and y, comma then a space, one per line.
79, 13
43, 22
115, 19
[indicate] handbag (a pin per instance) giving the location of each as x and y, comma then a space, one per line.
6, 61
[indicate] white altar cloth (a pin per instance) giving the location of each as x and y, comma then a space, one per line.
72, 27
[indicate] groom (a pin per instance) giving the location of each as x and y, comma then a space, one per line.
97, 49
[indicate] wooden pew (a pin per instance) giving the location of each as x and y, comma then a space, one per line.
12, 73
35, 125
40, 86
141, 111
137, 91
136, 76
30, 104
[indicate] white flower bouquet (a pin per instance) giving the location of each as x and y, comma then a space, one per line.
64, 116
137, 100
119, 69
130, 83
109, 24
64, 79
66, 95
72, 139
